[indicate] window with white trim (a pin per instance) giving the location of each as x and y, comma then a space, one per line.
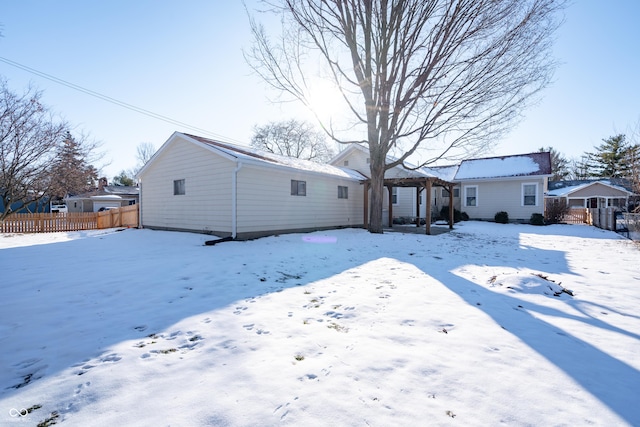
298, 188
445, 192
530, 194
471, 196
179, 187
394, 195
343, 192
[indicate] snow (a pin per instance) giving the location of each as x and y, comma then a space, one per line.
497, 167
140, 327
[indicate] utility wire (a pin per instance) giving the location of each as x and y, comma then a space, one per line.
113, 100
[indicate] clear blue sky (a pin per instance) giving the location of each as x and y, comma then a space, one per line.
184, 60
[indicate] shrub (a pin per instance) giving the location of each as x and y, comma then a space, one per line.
457, 215
555, 211
502, 217
536, 219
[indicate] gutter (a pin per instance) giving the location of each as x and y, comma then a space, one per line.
234, 200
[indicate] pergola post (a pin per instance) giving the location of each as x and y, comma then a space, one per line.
427, 215
366, 205
418, 190
390, 190
450, 206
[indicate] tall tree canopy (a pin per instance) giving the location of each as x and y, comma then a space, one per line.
29, 140
71, 172
293, 138
444, 76
613, 158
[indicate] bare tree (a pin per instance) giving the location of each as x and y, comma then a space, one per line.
29, 139
144, 152
293, 138
446, 77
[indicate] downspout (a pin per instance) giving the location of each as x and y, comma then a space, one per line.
139, 203
234, 200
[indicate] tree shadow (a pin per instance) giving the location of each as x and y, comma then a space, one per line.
612, 381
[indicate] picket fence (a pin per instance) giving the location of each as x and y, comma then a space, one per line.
126, 216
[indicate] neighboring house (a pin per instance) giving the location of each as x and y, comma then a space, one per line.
593, 193
105, 197
198, 184
514, 184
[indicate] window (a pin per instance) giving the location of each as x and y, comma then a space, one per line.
298, 188
368, 160
394, 195
445, 192
178, 187
343, 192
346, 162
530, 194
471, 196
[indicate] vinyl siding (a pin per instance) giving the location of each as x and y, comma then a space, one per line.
503, 195
265, 202
206, 204
596, 190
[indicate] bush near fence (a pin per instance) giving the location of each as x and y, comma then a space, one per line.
126, 216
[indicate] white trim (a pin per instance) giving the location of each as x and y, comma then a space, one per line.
522, 193
397, 202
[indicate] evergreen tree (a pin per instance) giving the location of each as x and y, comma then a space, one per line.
611, 158
124, 179
71, 174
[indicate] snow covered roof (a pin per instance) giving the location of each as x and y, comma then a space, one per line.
446, 173
253, 155
531, 164
565, 188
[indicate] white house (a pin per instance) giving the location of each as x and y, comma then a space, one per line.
198, 184
513, 184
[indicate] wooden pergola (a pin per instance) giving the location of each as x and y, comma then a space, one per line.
420, 183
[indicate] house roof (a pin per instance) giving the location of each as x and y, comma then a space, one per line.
446, 173
251, 155
122, 190
565, 188
532, 164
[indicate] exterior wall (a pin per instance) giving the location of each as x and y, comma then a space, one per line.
502, 195
206, 204
265, 203
356, 160
598, 190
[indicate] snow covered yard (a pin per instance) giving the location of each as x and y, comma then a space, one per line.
339, 328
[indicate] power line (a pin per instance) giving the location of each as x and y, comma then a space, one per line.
112, 100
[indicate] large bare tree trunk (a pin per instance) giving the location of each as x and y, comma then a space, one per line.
377, 195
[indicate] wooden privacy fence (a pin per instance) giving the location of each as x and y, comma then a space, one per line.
576, 216
51, 222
